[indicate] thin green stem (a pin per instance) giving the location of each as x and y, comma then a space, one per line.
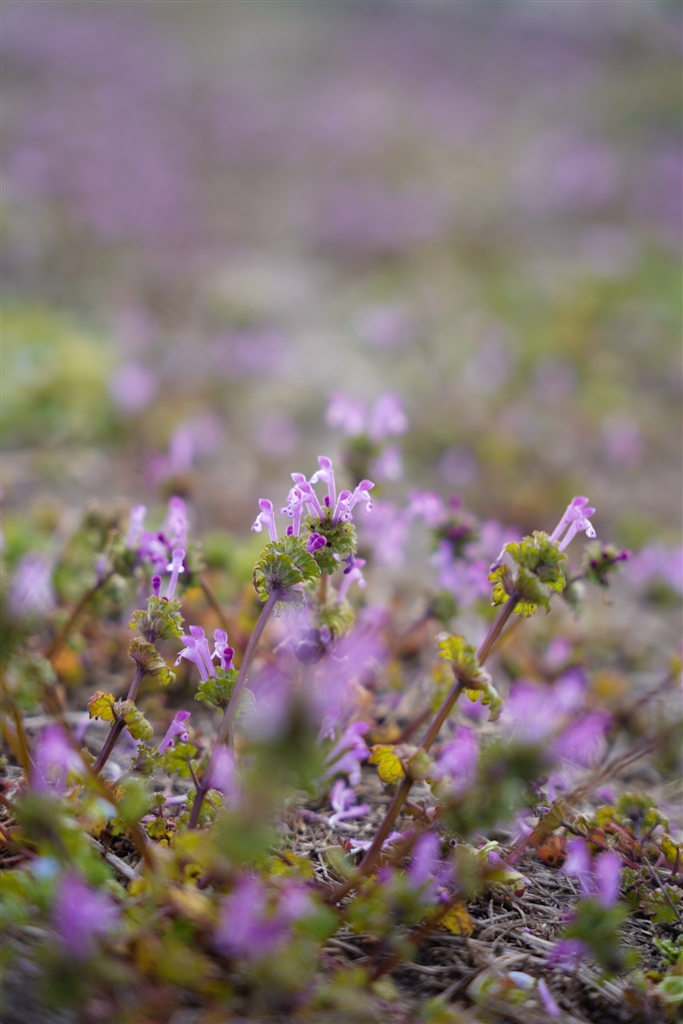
225, 731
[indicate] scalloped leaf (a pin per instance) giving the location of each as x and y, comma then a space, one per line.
101, 705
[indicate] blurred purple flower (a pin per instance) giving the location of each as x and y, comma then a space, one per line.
389, 464
623, 441
81, 915
566, 954
425, 860
429, 506
133, 386
343, 801
346, 414
600, 877
252, 925
546, 997
458, 467
196, 650
385, 532
176, 728
221, 774
458, 759
54, 758
348, 752
221, 650
175, 567
387, 417
384, 327
31, 591
656, 563
583, 741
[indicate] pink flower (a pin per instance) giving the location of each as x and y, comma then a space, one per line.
600, 877
176, 728
343, 801
348, 753
81, 914
574, 520
54, 758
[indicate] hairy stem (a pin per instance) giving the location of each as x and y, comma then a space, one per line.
401, 795
225, 731
76, 613
118, 727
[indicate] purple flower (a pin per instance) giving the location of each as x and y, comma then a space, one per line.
546, 997
315, 542
343, 801
197, 651
326, 474
458, 759
221, 650
31, 592
567, 953
348, 752
54, 758
251, 926
393, 837
81, 914
135, 525
353, 573
175, 567
425, 860
267, 516
348, 414
176, 525
429, 506
583, 741
133, 386
387, 417
574, 520
176, 728
221, 774
386, 532
389, 463
600, 877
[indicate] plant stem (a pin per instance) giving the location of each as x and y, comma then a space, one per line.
401, 795
213, 601
119, 726
224, 732
70, 622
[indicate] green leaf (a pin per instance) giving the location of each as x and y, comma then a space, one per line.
101, 705
178, 758
216, 690
146, 656
161, 620
284, 566
539, 573
138, 726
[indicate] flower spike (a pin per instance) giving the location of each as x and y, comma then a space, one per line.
266, 516
175, 568
574, 520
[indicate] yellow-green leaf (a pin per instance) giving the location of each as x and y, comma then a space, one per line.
389, 767
457, 919
101, 705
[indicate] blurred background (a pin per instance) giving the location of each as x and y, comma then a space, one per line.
217, 215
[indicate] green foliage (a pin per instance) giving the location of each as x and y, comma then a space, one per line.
179, 758
138, 726
147, 658
538, 575
26, 675
215, 691
469, 672
340, 537
283, 566
338, 617
135, 800
161, 620
598, 926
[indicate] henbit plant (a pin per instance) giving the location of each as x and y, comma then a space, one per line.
215, 865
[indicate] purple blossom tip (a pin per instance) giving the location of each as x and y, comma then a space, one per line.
316, 541
176, 728
156, 585
267, 516
575, 520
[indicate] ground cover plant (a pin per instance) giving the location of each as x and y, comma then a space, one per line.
168, 861
341, 572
